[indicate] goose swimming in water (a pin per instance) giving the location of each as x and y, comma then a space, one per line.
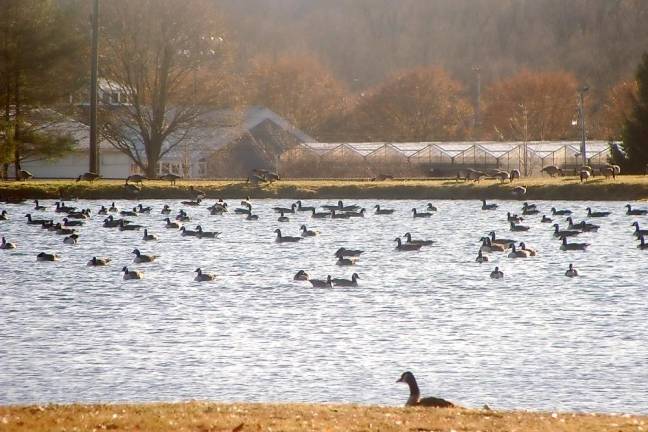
31, 221
481, 258
319, 283
132, 274
149, 237
513, 217
564, 233
308, 233
58, 229
188, 233
638, 232
300, 207
111, 222
415, 394
592, 214
497, 274
343, 252
518, 228
335, 215
546, 219
71, 240
380, 211
113, 208
38, 207
67, 222
555, 212
206, 234
408, 238
571, 271
141, 258
529, 210
572, 246
635, 212
172, 225
301, 275
341, 261
421, 214
285, 239
283, 218
7, 245
353, 282
532, 252
47, 257
488, 206
123, 226
489, 246
431, 207
642, 245
98, 262
407, 246
359, 213
252, 217
320, 215
283, 210
166, 209
518, 253
3, 215
203, 277
582, 226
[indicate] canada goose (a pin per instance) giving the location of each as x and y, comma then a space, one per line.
546, 219
638, 232
518, 253
571, 271
166, 209
341, 261
353, 282
170, 177
319, 283
489, 246
131, 213
67, 222
285, 239
188, 233
488, 206
290, 209
203, 277
481, 258
206, 234
283, 218
552, 170
497, 274
408, 237
380, 211
112, 208
320, 215
407, 246
360, 213
31, 221
564, 233
415, 394
63, 231
252, 217
111, 222
172, 225
351, 207
518, 228
590, 213
635, 212
7, 245
582, 226
421, 215
431, 207
71, 239
62, 208
141, 258
83, 214
513, 217
523, 247
527, 211
330, 207
25, 175
245, 211
195, 203
47, 257
300, 207
3, 215
149, 237
555, 212
182, 216
514, 174
123, 226
308, 233
136, 178
47, 225
339, 215
519, 191
572, 246
132, 189
98, 262
642, 245
584, 175
343, 252
196, 194
38, 207
132, 274
301, 275
143, 209
103, 210
88, 176
218, 209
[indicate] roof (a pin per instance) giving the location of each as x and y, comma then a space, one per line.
46, 120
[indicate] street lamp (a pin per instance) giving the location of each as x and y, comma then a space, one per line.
583, 149
94, 148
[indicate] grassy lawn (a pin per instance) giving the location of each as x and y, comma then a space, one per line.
567, 188
212, 417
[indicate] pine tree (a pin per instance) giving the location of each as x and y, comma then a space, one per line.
635, 132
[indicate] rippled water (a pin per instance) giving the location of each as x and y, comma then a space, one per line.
534, 340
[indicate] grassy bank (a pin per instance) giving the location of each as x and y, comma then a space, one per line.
211, 417
625, 188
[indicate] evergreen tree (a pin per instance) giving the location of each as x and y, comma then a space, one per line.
635, 132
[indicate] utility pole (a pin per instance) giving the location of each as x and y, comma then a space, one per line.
477, 119
94, 149
583, 148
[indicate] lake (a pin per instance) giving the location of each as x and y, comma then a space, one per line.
536, 339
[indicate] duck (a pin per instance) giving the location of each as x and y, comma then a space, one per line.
131, 274
518, 228
381, 211
319, 283
113, 208
341, 261
206, 234
149, 237
489, 246
546, 219
488, 206
515, 253
353, 282
308, 233
123, 226
203, 277
582, 226
408, 237
166, 209
282, 210
513, 217
555, 212
285, 239
481, 258
172, 225
38, 207
564, 233
431, 207
572, 246
532, 252
592, 214
343, 252
31, 221
320, 215
635, 212
497, 274
335, 215
283, 218
67, 222
141, 258
407, 246
302, 208
638, 232
571, 271
301, 275
98, 262
642, 243
3, 215
47, 257
72, 239
421, 214
188, 233
7, 245
415, 394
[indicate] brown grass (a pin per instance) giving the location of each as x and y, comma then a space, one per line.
212, 417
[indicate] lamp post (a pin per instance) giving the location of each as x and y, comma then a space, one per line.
583, 148
477, 119
94, 150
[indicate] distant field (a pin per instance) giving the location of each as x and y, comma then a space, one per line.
211, 417
562, 188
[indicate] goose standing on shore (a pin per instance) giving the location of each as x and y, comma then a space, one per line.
415, 394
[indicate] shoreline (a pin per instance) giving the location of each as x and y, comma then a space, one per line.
624, 188
240, 417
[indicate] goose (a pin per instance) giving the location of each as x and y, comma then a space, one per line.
546, 219
141, 258
111, 222
3, 215
431, 207
353, 282
501, 241
219, 207
83, 214
408, 237
71, 239
47, 257
113, 208
290, 209
421, 214
635, 212
513, 217
515, 253
330, 207
351, 207
572, 246
642, 245
67, 222
526, 205
519, 191
170, 177
203, 277
343, 252
31, 221
407, 246
88, 176
360, 213
300, 207
196, 194
136, 178
245, 211
488, 206
188, 233
301, 275
308, 233
172, 225
497, 274
584, 175
7, 245
489, 246
182, 216
341, 261
38, 207
564, 233
123, 226
339, 215
63, 231
555, 212
149, 237
638, 232
252, 217
571, 271
283, 218
319, 283
166, 209
98, 262
131, 274
481, 258
582, 226
62, 208
130, 213
532, 252
285, 239
195, 203
415, 394
518, 228
590, 213
103, 210
132, 189
47, 225
530, 212
143, 209
206, 234
380, 211
25, 175
320, 215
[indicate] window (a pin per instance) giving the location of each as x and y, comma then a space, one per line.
202, 169
165, 168
114, 98
175, 168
